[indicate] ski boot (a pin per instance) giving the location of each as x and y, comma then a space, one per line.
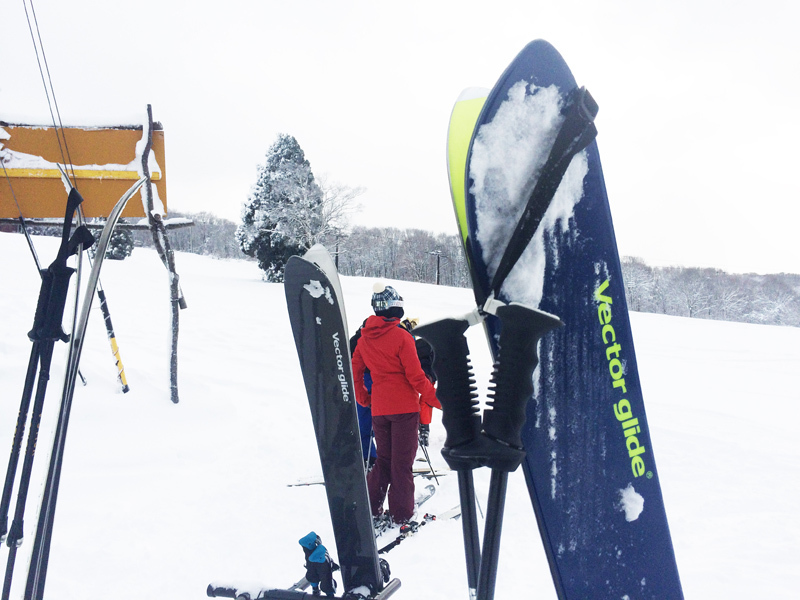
381, 523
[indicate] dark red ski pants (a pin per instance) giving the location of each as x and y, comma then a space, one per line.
396, 438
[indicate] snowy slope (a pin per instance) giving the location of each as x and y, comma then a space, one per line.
158, 500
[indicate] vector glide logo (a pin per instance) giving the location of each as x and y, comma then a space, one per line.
615, 355
340, 364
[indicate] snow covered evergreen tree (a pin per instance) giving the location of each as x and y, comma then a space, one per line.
283, 215
120, 246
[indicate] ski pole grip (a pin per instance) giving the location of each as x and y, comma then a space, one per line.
55, 279
51, 303
74, 200
522, 327
455, 387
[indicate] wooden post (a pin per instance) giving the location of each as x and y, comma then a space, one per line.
167, 256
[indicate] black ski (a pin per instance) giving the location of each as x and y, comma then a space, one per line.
314, 301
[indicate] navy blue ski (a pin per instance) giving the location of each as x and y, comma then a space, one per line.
590, 465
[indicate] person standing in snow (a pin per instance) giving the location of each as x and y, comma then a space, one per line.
399, 388
425, 355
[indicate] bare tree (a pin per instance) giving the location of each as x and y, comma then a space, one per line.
639, 282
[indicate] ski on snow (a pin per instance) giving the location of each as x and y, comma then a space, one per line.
412, 527
295, 592
385, 524
419, 471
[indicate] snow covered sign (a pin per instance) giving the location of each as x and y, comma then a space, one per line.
105, 162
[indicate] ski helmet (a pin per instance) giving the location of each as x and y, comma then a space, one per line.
385, 297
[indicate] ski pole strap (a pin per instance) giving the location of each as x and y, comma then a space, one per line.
74, 200
55, 279
576, 132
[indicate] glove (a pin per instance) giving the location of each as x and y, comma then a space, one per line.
409, 323
424, 434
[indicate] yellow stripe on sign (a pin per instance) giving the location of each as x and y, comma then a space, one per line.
465, 115
80, 174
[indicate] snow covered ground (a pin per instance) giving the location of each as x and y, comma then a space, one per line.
158, 500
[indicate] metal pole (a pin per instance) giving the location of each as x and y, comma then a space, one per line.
491, 536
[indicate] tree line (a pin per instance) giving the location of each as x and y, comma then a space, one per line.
404, 254
289, 210
705, 293
413, 254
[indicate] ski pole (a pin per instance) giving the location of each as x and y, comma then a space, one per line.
37, 572
425, 452
101, 295
103, 307
19, 432
14, 539
469, 525
491, 535
47, 329
461, 419
500, 443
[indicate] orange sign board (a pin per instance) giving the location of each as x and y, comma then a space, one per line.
106, 162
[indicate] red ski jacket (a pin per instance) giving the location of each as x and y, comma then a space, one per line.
399, 384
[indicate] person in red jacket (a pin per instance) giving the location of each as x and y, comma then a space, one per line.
399, 388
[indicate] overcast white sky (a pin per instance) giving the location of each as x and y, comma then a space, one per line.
698, 122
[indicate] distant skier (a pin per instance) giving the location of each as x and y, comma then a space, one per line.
319, 566
425, 355
399, 389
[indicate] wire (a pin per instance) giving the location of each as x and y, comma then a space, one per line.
58, 127
22, 220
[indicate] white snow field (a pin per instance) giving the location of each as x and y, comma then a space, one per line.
158, 500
